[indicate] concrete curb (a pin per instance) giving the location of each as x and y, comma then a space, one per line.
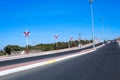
18, 69
5, 58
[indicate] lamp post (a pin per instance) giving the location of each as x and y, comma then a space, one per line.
102, 30
26, 33
91, 1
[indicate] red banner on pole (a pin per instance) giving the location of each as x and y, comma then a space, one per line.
56, 36
71, 38
26, 34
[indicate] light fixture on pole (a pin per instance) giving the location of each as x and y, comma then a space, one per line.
92, 19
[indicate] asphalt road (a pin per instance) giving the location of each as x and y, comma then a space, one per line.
102, 64
23, 60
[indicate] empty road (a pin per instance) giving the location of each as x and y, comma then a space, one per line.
102, 64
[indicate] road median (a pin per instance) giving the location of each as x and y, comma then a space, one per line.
29, 65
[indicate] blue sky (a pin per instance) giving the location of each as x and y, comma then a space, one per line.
45, 18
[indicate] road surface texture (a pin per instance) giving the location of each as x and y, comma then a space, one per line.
29, 59
102, 64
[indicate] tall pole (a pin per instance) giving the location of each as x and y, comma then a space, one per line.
91, 1
79, 40
71, 39
102, 31
69, 44
26, 33
27, 43
109, 37
109, 33
56, 37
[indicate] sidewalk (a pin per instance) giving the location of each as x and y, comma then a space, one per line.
4, 58
29, 65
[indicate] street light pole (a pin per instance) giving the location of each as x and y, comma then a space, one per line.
79, 38
91, 1
102, 31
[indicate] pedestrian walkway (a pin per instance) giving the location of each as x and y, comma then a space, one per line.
4, 58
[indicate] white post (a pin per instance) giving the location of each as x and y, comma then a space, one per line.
26, 33
69, 44
56, 37
27, 42
91, 1
71, 39
79, 41
56, 43
102, 31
